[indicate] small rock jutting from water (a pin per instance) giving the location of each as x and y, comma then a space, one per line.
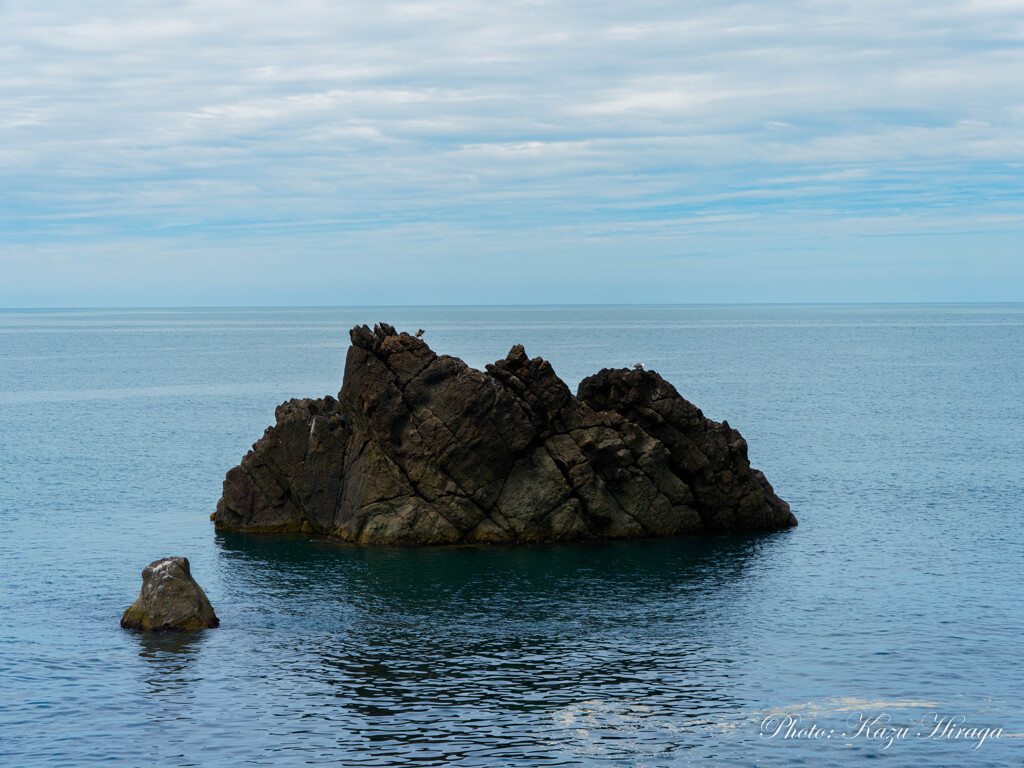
419, 448
170, 600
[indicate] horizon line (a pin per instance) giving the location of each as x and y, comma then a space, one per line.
509, 306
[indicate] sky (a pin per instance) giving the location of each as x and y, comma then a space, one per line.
313, 152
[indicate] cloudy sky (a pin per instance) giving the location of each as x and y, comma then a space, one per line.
250, 152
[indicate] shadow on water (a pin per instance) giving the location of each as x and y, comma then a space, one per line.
170, 658
512, 629
536, 581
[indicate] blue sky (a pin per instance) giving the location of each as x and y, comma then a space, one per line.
160, 153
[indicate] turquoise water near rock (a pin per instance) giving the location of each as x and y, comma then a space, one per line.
895, 432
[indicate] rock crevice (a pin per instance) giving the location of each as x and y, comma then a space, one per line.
419, 448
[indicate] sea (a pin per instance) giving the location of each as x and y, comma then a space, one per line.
889, 625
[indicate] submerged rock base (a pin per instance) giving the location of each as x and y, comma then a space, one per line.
422, 449
170, 599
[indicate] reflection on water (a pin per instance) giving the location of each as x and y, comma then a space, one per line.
601, 649
170, 658
426, 595
170, 681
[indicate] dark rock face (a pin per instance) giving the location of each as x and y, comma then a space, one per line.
421, 449
170, 599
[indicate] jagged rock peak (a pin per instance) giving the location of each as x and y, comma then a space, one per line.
420, 448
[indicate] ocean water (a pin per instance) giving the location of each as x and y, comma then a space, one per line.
896, 433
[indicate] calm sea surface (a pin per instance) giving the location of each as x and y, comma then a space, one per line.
896, 433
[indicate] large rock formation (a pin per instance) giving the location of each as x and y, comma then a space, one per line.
422, 449
170, 599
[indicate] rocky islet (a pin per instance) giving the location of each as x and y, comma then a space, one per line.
170, 599
419, 448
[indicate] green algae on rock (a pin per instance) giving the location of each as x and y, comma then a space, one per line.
170, 600
422, 449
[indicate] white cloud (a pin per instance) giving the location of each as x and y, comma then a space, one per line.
485, 118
